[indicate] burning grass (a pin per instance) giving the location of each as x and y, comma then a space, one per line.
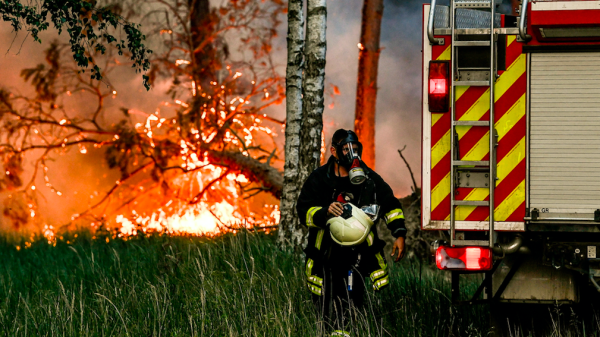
231, 285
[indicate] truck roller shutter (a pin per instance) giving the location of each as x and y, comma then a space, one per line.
565, 134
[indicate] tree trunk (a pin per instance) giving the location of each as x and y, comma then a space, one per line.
313, 84
202, 26
290, 232
304, 112
366, 89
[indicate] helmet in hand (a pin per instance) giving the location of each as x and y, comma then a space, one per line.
351, 228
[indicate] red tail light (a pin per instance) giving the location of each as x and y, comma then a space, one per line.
439, 84
463, 258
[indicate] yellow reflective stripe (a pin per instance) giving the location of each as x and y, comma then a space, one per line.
394, 215
316, 280
510, 39
370, 238
319, 239
377, 274
510, 161
477, 194
445, 55
309, 265
436, 117
439, 149
381, 261
310, 214
440, 191
381, 283
479, 150
314, 289
511, 203
393, 212
312, 278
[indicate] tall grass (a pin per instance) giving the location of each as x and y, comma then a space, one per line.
233, 285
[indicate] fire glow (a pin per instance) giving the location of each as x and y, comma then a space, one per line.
168, 183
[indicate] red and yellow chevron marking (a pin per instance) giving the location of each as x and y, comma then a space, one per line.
472, 103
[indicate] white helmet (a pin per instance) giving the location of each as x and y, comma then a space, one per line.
350, 230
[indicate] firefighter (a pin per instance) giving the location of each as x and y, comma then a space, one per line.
339, 203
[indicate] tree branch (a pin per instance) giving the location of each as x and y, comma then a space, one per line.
414, 188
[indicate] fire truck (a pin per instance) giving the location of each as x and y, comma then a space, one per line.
511, 147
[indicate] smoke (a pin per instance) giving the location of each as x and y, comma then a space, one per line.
81, 179
398, 120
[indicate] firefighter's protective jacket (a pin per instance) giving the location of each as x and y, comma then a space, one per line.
322, 188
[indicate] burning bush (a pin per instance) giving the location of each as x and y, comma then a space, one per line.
204, 160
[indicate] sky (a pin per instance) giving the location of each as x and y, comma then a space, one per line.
398, 116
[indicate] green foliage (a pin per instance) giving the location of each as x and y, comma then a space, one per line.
88, 29
234, 285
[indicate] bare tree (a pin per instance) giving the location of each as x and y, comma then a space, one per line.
366, 89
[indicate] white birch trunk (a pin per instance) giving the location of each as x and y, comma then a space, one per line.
290, 233
313, 85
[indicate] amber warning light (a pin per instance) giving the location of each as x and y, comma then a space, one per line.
463, 258
439, 93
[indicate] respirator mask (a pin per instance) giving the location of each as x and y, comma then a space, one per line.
349, 158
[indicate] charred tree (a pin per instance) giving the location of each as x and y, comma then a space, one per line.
202, 25
366, 89
290, 233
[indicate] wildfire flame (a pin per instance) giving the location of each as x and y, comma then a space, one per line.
192, 211
195, 220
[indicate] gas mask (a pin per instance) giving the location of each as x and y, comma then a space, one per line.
351, 159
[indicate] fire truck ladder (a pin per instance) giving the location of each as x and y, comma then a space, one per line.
481, 174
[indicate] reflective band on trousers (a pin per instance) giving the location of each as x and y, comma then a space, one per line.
380, 278
381, 261
377, 274
394, 215
314, 283
309, 216
382, 282
312, 278
315, 289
